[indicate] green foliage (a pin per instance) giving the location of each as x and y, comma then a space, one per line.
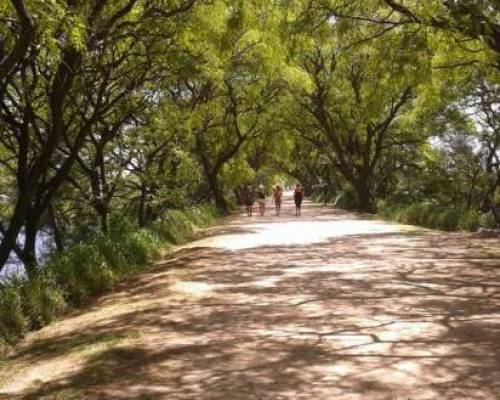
347, 199
469, 220
487, 220
437, 216
43, 301
13, 321
89, 268
175, 226
82, 271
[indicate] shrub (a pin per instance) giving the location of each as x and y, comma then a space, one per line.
3, 349
82, 271
469, 220
175, 226
416, 214
348, 199
13, 321
143, 244
435, 216
180, 225
68, 277
89, 268
448, 219
43, 301
487, 220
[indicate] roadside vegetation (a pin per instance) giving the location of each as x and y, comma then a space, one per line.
91, 267
442, 217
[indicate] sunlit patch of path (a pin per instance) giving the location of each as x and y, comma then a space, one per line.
329, 305
295, 233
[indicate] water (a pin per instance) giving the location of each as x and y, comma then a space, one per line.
44, 246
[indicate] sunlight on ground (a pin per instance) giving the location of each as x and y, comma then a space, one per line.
292, 233
198, 289
322, 306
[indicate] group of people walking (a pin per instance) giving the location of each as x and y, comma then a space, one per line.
250, 195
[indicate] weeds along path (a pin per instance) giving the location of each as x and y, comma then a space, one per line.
325, 306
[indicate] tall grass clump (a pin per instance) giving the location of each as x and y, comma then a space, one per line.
91, 267
487, 220
13, 321
347, 199
43, 300
437, 216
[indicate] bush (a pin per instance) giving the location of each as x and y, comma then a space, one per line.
435, 216
487, 220
89, 268
42, 301
175, 226
469, 220
13, 321
348, 200
82, 271
424, 214
447, 219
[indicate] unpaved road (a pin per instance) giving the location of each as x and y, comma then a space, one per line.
325, 306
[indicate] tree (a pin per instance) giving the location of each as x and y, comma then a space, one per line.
462, 21
355, 106
227, 94
74, 85
19, 36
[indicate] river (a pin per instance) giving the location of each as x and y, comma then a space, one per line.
14, 267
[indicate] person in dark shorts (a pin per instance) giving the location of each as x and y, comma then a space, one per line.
249, 199
298, 195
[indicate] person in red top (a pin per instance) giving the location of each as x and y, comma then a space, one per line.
298, 196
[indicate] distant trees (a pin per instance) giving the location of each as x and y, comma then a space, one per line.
383, 76
229, 92
354, 137
353, 110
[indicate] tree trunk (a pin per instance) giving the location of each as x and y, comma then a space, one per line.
9, 239
15, 224
58, 236
141, 217
364, 196
103, 215
220, 201
238, 193
29, 250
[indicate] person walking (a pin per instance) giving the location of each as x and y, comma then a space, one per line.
261, 198
298, 196
277, 195
249, 199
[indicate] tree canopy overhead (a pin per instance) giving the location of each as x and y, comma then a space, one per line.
132, 107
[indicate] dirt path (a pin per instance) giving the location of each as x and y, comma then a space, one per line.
325, 306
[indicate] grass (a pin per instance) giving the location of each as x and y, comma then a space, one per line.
424, 214
90, 268
434, 216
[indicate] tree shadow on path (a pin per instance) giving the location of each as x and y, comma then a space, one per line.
377, 315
